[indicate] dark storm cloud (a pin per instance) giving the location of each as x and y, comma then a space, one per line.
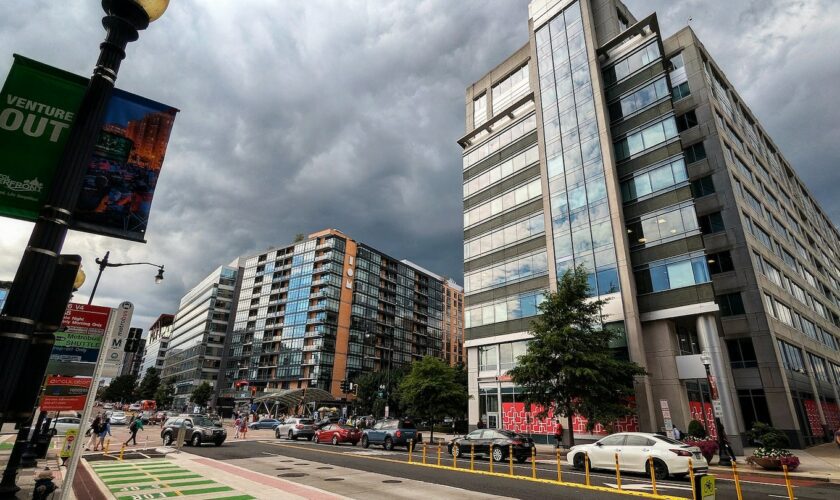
297, 116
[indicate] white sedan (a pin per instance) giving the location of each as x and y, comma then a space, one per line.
634, 450
61, 425
118, 418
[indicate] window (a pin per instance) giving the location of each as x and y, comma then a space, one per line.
680, 91
632, 63
711, 223
654, 181
676, 272
730, 304
506, 91
480, 110
646, 138
720, 262
663, 225
703, 186
791, 356
488, 358
639, 99
695, 152
753, 406
686, 121
741, 353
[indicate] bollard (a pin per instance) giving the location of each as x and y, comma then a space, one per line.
122, 450
472, 456
737, 480
586, 465
491, 460
107, 444
455, 457
438, 453
410, 449
559, 467
510, 459
787, 482
534, 462
617, 473
691, 478
424, 453
652, 474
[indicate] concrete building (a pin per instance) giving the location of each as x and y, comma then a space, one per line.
599, 143
453, 323
325, 309
157, 342
197, 340
133, 360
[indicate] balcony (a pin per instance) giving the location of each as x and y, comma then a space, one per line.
313, 347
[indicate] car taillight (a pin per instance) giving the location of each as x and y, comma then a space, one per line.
299, 426
398, 433
516, 443
680, 453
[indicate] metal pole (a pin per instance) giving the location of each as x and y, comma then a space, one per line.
102, 265
703, 407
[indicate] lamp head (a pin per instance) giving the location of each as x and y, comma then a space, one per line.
705, 358
153, 8
80, 279
159, 276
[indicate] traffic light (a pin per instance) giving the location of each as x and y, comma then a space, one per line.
253, 390
132, 342
345, 387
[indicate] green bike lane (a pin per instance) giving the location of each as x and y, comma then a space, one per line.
150, 479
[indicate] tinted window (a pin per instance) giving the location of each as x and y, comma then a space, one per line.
638, 441
616, 440
407, 424
347, 427
487, 434
475, 434
178, 421
305, 421
377, 426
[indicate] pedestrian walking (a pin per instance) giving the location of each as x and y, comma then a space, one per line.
104, 430
243, 428
236, 425
558, 435
133, 427
94, 432
724, 443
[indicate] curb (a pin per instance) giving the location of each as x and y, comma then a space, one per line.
716, 469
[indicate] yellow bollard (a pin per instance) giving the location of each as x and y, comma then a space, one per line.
617, 473
491, 460
787, 482
510, 459
472, 456
534, 462
438, 453
410, 449
737, 480
454, 457
424, 453
691, 478
107, 444
122, 450
652, 474
559, 467
586, 465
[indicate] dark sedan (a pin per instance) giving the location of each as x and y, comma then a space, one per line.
264, 423
492, 442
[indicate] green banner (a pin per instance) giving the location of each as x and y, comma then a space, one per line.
37, 107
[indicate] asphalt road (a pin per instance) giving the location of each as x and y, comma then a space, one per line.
395, 463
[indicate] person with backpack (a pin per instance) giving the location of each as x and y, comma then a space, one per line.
95, 427
135, 426
104, 430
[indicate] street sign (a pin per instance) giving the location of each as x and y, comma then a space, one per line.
666, 417
78, 343
118, 330
65, 393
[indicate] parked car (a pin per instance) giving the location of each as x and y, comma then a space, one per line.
492, 442
61, 425
390, 433
264, 423
199, 430
108, 406
118, 418
135, 407
670, 457
337, 433
158, 417
296, 427
326, 421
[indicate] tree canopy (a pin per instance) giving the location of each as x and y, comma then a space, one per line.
374, 392
569, 365
121, 389
433, 390
165, 393
202, 394
149, 384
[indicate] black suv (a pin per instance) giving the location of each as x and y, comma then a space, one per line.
198, 429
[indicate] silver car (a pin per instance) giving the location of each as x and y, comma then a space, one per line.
118, 418
294, 427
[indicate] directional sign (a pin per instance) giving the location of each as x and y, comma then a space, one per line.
65, 393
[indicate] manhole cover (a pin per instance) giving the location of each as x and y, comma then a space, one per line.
326, 468
301, 463
391, 481
283, 468
334, 479
285, 460
292, 474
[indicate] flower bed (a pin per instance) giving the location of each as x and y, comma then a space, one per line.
774, 459
708, 446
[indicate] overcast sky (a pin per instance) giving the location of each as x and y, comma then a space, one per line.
301, 115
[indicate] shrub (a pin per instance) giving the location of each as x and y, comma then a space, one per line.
708, 446
768, 436
696, 430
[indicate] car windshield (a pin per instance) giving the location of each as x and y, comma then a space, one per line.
509, 434
305, 421
118, 414
202, 421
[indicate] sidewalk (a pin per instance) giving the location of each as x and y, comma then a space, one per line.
26, 477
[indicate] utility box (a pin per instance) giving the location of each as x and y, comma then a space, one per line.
704, 487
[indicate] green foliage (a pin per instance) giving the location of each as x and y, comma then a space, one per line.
768, 436
371, 400
569, 365
121, 389
165, 393
149, 385
202, 394
432, 391
696, 429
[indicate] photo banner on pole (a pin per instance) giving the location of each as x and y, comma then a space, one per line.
38, 104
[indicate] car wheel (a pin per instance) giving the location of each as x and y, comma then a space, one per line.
167, 439
218, 443
660, 469
196, 440
365, 442
291, 436
277, 433
310, 438
456, 451
388, 444
498, 454
335, 440
579, 462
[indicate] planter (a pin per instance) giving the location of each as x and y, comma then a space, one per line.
771, 463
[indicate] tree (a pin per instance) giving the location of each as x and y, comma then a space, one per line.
431, 391
121, 389
569, 365
165, 394
376, 390
202, 394
149, 385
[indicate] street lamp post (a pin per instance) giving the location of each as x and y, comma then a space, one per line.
723, 458
103, 263
24, 304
